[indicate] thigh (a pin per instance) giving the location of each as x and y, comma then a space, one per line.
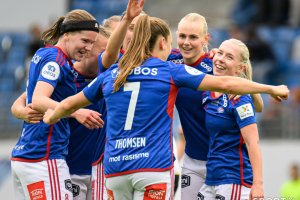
98, 188
206, 193
232, 191
192, 177
81, 185
49, 179
119, 187
153, 185
17, 186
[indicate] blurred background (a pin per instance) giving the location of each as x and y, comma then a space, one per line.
270, 28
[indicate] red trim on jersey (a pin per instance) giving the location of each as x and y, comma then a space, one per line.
199, 60
172, 98
98, 161
242, 163
139, 170
47, 150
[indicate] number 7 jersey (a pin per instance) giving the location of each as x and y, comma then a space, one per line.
139, 115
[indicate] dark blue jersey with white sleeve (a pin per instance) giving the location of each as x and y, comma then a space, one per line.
190, 110
228, 160
84, 141
42, 141
139, 115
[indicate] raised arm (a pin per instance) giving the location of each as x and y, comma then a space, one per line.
236, 85
111, 53
250, 136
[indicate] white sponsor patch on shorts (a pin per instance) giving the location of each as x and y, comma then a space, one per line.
51, 71
192, 71
245, 111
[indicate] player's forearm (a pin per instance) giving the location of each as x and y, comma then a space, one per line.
43, 103
114, 44
256, 162
18, 106
236, 85
258, 102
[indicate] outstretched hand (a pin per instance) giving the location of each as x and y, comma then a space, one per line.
134, 8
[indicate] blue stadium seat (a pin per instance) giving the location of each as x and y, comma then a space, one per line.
217, 37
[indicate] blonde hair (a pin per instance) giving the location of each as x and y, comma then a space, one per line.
103, 31
245, 58
195, 17
145, 34
107, 23
52, 34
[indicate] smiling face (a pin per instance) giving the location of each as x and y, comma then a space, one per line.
79, 44
227, 60
129, 33
191, 38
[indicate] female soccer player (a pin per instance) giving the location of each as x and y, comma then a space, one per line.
140, 93
38, 159
234, 163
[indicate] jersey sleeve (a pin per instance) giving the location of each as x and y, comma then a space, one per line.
93, 91
50, 71
186, 76
100, 64
244, 111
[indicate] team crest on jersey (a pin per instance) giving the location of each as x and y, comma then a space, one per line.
51, 71
220, 110
245, 111
192, 71
185, 181
114, 73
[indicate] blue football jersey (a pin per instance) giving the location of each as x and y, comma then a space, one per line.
100, 64
42, 141
84, 141
139, 115
190, 110
228, 161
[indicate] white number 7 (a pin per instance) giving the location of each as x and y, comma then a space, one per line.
135, 88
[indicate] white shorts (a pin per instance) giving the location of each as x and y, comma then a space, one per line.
98, 188
48, 179
193, 173
82, 187
141, 185
224, 192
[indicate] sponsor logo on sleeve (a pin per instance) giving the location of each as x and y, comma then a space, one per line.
245, 111
192, 71
51, 71
37, 190
185, 181
155, 191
